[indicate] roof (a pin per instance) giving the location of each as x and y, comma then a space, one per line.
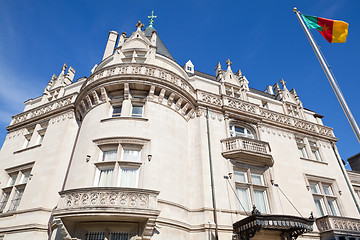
160, 46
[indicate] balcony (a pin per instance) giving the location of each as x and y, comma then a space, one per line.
114, 200
247, 150
331, 226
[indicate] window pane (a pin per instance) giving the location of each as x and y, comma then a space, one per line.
12, 179
244, 197
327, 190
260, 200
137, 111
109, 155
314, 188
131, 155
95, 236
319, 206
25, 177
302, 152
240, 176
256, 179
3, 201
119, 236
116, 111
316, 154
16, 200
128, 177
333, 207
105, 178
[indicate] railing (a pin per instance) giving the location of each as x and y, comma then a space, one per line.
339, 224
242, 143
247, 150
108, 197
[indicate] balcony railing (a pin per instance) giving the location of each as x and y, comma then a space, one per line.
107, 197
339, 225
247, 150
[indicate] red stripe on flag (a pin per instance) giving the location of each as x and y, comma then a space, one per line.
327, 26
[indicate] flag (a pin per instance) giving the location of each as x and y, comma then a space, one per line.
333, 31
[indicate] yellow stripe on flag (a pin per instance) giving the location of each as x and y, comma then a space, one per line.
340, 31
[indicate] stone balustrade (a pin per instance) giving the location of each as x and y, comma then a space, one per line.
341, 225
108, 197
247, 149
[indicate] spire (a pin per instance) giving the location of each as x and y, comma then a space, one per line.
151, 21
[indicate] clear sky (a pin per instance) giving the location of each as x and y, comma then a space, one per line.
262, 38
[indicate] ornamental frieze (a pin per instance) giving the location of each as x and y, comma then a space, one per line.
144, 70
46, 108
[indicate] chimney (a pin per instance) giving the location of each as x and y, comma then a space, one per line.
110, 46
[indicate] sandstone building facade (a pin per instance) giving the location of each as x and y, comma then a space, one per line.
144, 148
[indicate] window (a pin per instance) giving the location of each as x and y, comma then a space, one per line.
18, 178
236, 131
131, 155
109, 155
137, 110
105, 177
121, 170
41, 132
251, 190
4, 199
315, 151
324, 198
16, 199
301, 147
28, 138
116, 111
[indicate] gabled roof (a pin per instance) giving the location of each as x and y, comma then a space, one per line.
160, 46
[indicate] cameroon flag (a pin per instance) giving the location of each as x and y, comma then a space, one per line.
333, 31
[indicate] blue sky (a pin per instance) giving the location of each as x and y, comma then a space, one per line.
262, 38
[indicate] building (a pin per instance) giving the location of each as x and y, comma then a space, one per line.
144, 148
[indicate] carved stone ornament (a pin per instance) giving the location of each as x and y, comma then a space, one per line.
62, 117
47, 108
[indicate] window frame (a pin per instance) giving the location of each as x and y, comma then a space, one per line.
252, 188
325, 198
248, 132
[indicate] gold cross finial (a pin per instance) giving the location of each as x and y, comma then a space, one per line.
139, 25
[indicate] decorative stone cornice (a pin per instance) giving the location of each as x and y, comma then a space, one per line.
267, 116
44, 110
121, 140
62, 117
142, 70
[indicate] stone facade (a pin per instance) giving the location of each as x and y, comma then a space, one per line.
144, 148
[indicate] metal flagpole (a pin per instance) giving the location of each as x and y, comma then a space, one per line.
330, 77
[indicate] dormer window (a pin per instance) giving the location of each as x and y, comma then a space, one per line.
239, 131
189, 68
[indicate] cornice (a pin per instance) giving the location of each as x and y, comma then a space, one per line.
48, 109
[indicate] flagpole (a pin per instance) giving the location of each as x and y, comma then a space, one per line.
330, 77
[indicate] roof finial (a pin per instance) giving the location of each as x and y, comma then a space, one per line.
282, 81
139, 25
151, 21
228, 62
63, 68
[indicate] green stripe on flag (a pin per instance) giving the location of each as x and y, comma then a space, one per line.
311, 22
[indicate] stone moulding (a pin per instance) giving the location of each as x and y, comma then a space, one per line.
340, 225
121, 140
107, 197
220, 101
41, 111
144, 70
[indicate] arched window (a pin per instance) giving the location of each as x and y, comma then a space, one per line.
239, 131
